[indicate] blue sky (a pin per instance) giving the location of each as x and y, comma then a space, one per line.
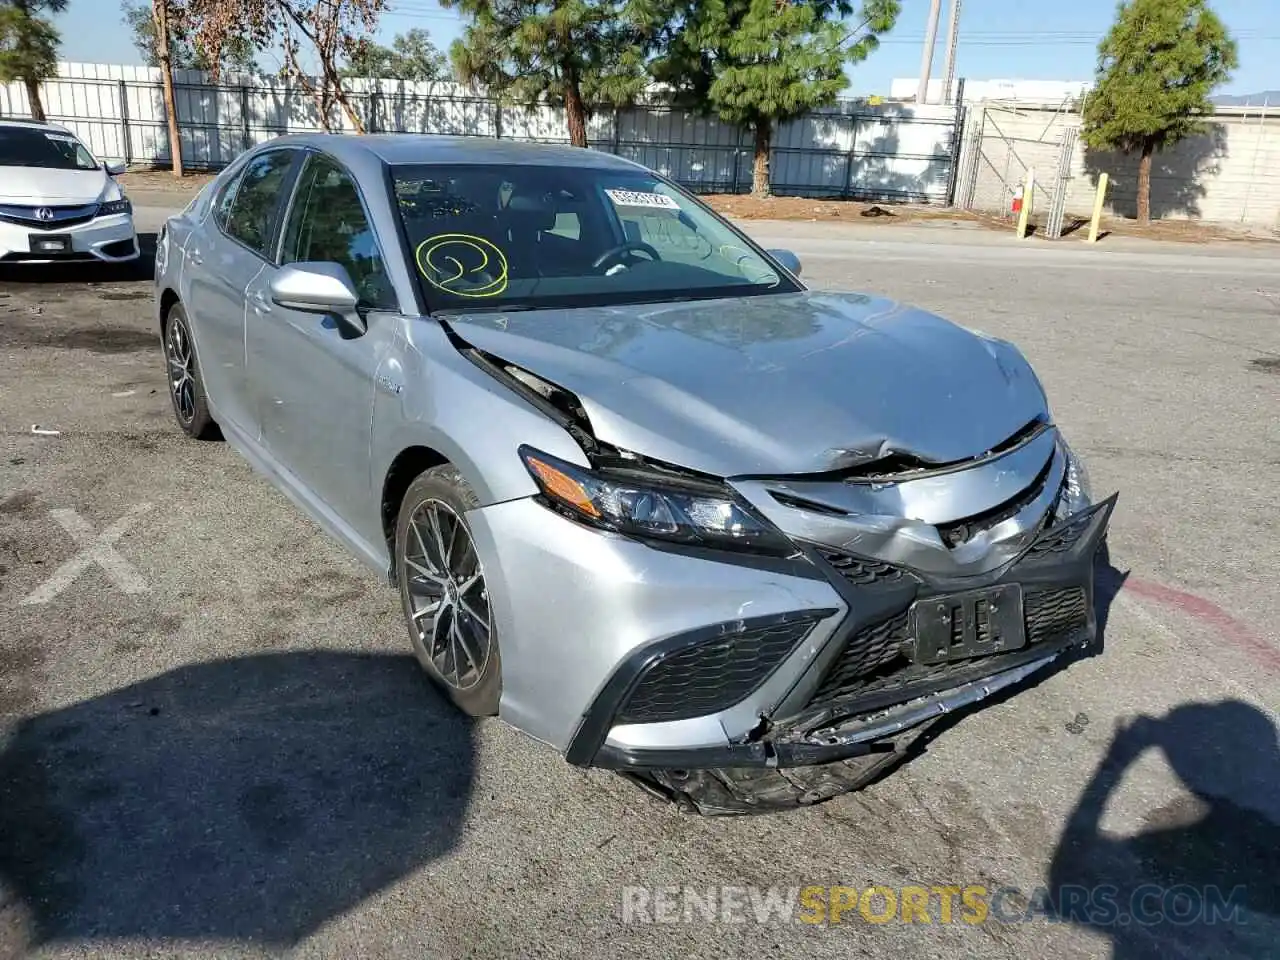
999, 39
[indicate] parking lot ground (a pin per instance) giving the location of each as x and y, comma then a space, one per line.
215, 743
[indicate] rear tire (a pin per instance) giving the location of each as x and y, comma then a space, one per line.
444, 592
186, 386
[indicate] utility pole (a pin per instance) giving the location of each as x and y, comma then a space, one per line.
953, 38
926, 59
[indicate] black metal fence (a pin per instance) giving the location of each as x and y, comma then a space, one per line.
853, 150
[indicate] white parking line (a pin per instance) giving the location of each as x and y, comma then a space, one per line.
98, 550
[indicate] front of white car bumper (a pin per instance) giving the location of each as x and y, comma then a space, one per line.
108, 239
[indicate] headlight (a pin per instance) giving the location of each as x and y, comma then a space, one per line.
1077, 492
703, 515
112, 207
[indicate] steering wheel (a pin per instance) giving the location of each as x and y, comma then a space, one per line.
616, 253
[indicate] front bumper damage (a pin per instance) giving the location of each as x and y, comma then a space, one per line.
736, 681
870, 698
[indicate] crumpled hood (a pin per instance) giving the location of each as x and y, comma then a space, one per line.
41, 185
775, 384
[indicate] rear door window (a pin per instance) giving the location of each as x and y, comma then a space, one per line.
255, 201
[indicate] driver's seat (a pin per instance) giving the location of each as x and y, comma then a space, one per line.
525, 218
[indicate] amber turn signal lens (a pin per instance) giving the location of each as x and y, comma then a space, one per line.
563, 487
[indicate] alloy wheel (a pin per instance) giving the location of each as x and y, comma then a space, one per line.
182, 384
448, 601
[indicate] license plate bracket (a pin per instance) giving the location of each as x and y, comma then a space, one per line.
50, 243
970, 624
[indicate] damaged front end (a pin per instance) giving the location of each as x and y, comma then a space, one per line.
959, 581
949, 583
911, 650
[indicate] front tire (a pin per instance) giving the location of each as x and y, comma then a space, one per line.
186, 386
444, 593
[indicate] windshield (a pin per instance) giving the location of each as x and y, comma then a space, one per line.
28, 147
510, 237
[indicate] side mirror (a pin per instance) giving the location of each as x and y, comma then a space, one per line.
316, 287
787, 259
115, 168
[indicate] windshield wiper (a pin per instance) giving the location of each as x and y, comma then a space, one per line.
487, 308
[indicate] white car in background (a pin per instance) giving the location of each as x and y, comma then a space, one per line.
59, 203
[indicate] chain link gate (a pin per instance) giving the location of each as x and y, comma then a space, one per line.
1061, 182
1005, 142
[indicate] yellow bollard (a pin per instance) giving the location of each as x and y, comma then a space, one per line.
1028, 195
1097, 208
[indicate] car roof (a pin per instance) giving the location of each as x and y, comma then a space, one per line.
398, 148
35, 125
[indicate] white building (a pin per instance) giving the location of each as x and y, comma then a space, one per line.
1027, 91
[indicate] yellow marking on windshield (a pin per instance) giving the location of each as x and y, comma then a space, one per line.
452, 249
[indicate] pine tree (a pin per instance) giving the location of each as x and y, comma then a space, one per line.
411, 56
759, 63
1156, 69
29, 46
571, 53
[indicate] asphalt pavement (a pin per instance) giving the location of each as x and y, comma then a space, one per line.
214, 742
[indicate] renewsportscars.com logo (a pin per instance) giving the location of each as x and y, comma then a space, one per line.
971, 904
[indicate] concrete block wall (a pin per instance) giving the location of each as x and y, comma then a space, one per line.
1231, 174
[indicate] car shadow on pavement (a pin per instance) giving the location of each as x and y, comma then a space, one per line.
1202, 876
90, 272
250, 799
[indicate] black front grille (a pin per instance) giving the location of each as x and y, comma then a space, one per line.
875, 660
1052, 613
60, 217
711, 675
862, 571
913, 679
866, 650
1062, 538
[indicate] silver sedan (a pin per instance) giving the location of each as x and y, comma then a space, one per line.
643, 494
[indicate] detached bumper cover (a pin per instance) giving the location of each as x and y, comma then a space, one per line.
864, 696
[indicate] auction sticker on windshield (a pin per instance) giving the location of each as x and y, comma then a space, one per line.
635, 198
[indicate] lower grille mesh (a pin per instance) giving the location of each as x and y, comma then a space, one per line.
862, 571
712, 675
1051, 613
866, 650
875, 659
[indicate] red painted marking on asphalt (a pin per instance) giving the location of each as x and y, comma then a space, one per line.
1208, 612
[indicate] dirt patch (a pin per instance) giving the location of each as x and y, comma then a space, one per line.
1266, 364
1185, 231
745, 207
163, 181
1176, 231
